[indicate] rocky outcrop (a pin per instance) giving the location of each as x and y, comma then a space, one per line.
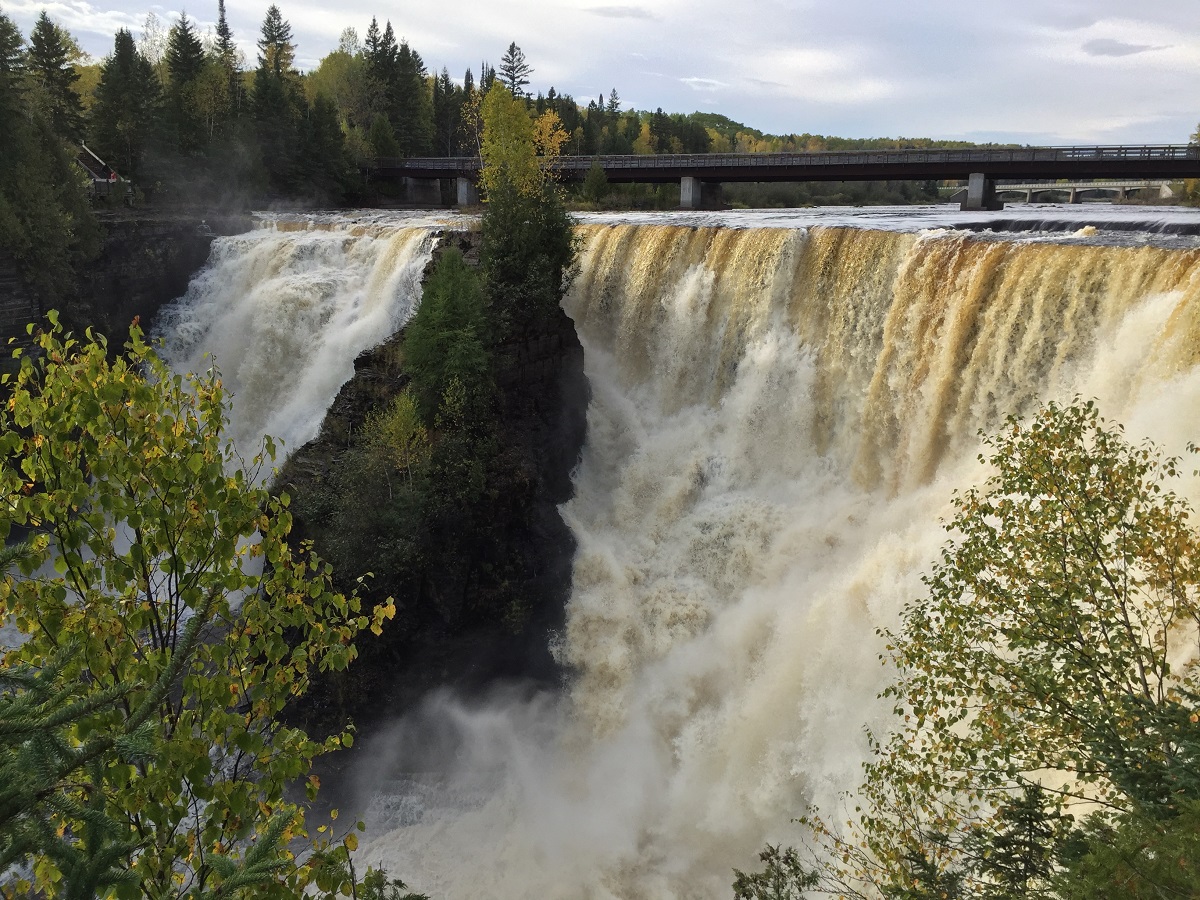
523, 548
146, 261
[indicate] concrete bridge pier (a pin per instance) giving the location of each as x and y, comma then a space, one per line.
691, 193
468, 193
423, 191
1074, 196
981, 194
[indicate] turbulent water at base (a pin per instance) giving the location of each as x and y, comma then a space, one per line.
779, 416
283, 311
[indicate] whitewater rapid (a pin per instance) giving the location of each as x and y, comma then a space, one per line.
781, 410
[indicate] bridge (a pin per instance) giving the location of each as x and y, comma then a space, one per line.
979, 166
1077, 190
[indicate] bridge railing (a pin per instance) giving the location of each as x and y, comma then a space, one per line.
982, 156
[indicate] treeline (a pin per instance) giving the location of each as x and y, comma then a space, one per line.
45, 224
183, 116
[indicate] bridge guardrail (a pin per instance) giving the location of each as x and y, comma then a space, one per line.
982, 156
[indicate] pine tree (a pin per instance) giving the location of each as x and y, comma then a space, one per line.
49, 62
514, 70
380, 52
323, 153
228, 58
124, 116
185, 62
279, 104
45, 223
12, 60
372, 42
185, 52
225, 48
413, 103
276, 52
447, 114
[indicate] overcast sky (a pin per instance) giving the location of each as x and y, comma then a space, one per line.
1033, 71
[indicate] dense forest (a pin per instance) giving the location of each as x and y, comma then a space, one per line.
175, 117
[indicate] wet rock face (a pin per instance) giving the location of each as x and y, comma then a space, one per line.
145, 262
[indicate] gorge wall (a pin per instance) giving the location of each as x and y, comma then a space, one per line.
146, 260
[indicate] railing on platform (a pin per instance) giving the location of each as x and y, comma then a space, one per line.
981, 156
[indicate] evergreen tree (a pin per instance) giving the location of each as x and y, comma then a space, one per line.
381, 52
49, 63
373, 43
324, 153
12, 60
185, 63
278, 103
382, 138
447, 114
45, 223
413, 103
224, 47
528, 242
124, 116
514, 70
185, 52
227, 57
276, 52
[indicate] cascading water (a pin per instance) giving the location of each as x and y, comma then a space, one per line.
284, 310
779, 417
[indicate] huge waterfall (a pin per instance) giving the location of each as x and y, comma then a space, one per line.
779, 417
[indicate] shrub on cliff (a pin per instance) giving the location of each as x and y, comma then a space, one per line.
528, 237
448, 339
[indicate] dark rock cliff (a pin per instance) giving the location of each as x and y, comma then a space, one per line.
522, 548
146, 260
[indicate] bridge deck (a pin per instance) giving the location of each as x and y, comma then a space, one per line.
1151, 161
